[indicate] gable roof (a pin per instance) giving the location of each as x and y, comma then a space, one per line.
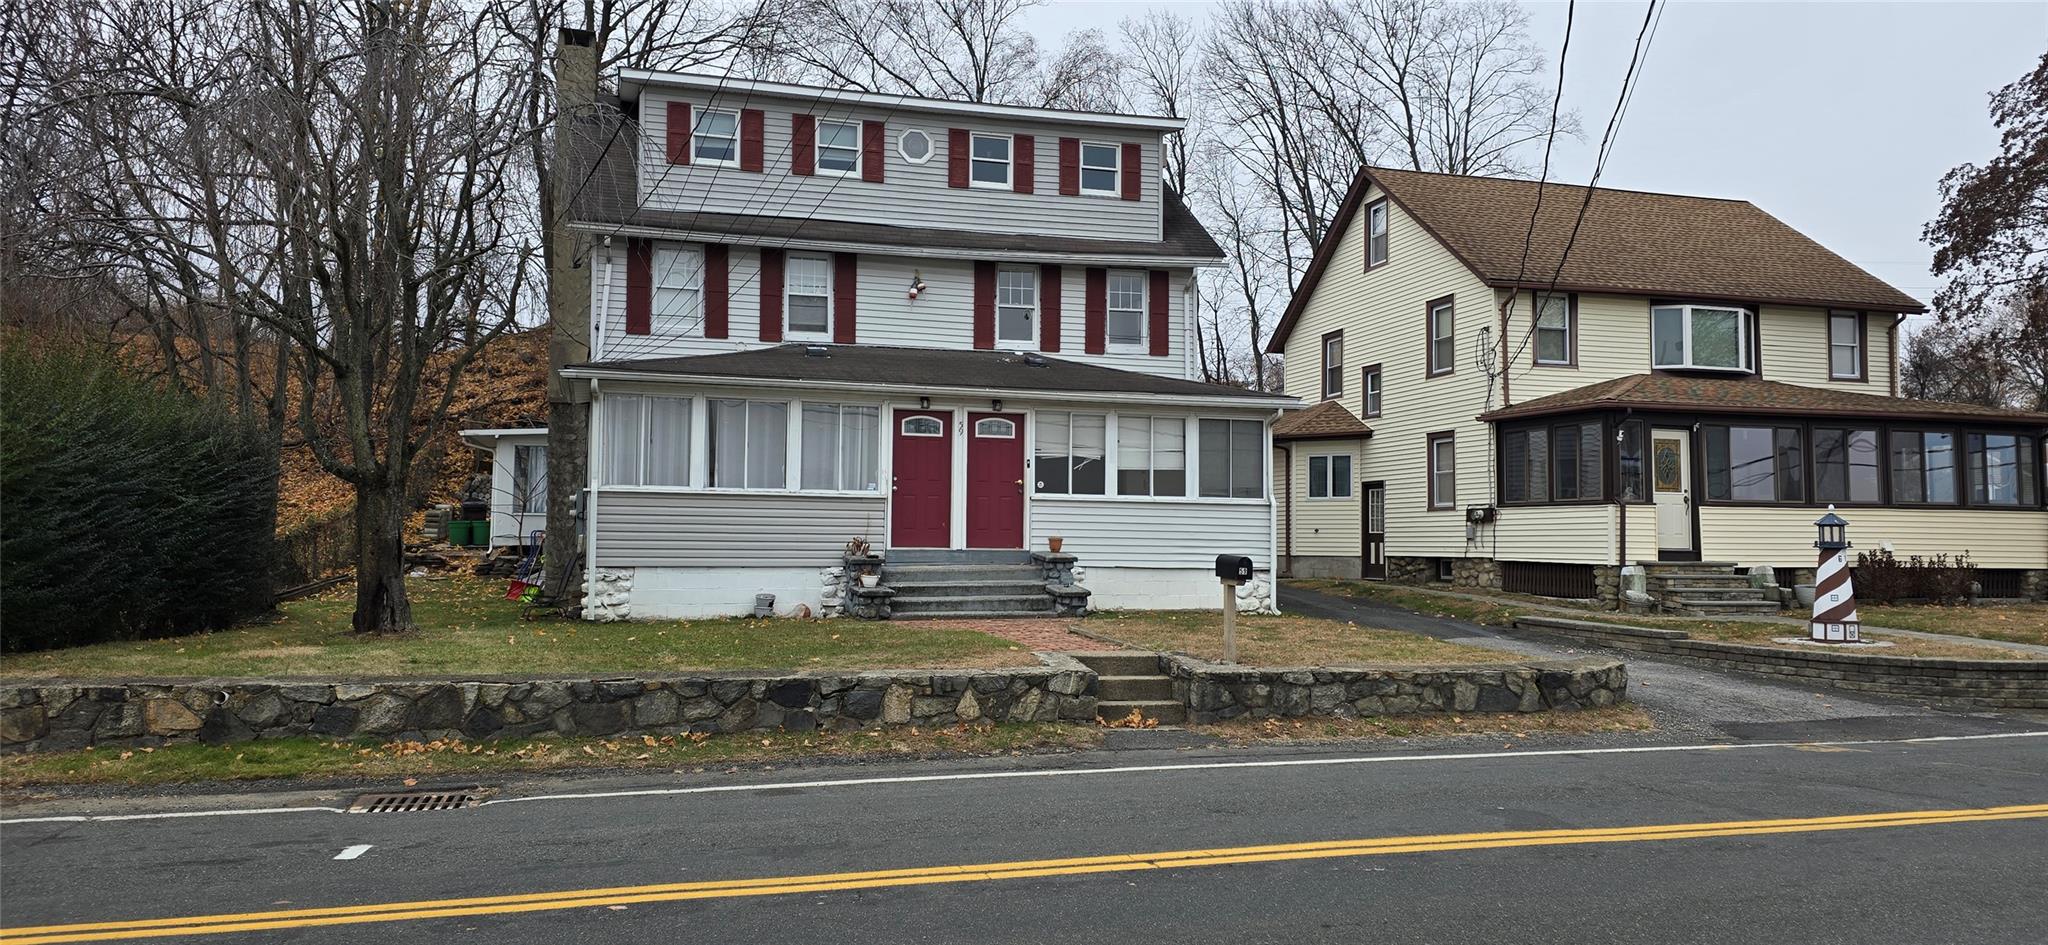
1749, 396
1632, 243
1328, 420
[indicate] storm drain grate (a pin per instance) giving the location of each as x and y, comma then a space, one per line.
405, 802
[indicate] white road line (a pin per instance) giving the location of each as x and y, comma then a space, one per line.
1081, 772
353, 852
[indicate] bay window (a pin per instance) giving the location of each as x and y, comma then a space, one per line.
1233, 459
646, 440
749, 444
1701, 337
1329, 477
1151, 456
1923, 467
2003, 469
1071, 455
839, 446
1845, 465
1754, 464
1126, 303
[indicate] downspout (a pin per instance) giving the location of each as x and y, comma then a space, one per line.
1288, 477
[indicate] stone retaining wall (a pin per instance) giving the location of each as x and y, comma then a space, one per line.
2001, 684
59, 715
1216, 691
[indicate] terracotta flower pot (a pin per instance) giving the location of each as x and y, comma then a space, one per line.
1055, 542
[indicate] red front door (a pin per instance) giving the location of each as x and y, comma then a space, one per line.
921, 506
995, 480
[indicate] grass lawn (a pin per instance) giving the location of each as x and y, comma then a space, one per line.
1496, 612
1511, 727
398, 761
1283, 641
466, 627
1767, 632
2013, 623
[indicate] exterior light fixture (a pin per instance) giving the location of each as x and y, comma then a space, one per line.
924, 403
996, 405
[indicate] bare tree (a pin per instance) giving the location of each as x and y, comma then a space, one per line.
1086, 75
968, 50
1164, 49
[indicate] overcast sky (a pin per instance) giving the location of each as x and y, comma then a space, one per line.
1838, 118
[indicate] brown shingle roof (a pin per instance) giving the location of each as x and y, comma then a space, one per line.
1328, 420
1748, 396
1631, 242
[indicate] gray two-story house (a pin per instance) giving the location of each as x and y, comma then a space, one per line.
959, 331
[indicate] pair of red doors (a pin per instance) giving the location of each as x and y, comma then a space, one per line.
921, 505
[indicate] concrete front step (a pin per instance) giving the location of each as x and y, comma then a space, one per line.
1164, 712
1701, 577
1033, 604
971, 615
1653, 567
895, 575
958, 556
1714, 592
1119, 662
1695, 607
968, 588
1134, 688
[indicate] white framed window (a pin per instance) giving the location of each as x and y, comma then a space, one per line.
1016, 303
716, 138
530, 479
989, 164
1070, 453
1376, 233
1701, 338
839, 148
1443, 337
646, 440
1126, 303
923, 426
1371, 379
995, 428
839, 447
749, 444
1233, 459
915, 145
1101, 168
677, 298
1845, 346
1553, 329
1151, 456
1329, 477
807, 296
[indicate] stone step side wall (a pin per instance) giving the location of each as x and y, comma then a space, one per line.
2000, 684
1214, 692
60, 715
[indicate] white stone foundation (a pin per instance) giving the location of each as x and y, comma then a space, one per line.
1174, 589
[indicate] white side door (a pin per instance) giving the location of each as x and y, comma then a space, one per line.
1671, 482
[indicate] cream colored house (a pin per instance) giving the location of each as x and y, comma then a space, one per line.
1696, 382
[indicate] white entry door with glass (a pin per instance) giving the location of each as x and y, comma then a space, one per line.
1670, 479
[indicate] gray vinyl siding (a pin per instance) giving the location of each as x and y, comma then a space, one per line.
1155, 534
942, 316
708, 529
911, 194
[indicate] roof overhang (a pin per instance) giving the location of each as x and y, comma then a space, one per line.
890, 249
1300, 437
1246, 401
633, 81
485, 439
1668, 293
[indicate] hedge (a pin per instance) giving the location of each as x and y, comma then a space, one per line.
126, 510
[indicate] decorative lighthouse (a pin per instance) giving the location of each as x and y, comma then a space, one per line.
1834, 597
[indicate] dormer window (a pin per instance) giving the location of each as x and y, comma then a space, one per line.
1100, 169
839, 148
1702, 338
990, 166
716, 138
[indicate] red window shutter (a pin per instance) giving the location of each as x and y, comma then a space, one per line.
1157, 333
956, 157
639, 287
1095, 311
803, 144
1134, 171
679, 132
984, 305
1048, 307
1070, 167
1024, 150
771, 295
845, 282
717, 290
871, 151
751, 138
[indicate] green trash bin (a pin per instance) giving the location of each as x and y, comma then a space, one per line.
480, 532
458, 533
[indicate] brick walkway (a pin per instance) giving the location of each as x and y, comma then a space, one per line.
1040, 633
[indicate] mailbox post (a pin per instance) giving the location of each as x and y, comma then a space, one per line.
1232, 570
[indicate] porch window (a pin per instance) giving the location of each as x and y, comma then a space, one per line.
1525, 465
1575, 461
1233, 459
1845, 346
530, 479
1754, 464
991, 161
646, 440
1554, 330
1701, 337
1151, 456
2003, 469
1630, 483
678, 274
1923, 467
807, 295
1329, 477
716, 138
1069, 457
749, 442
1016, 303
839, 148
839, 447
1126, 321
1101, 168
1559, 463
1845, 465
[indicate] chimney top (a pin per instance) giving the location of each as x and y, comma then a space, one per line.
572, 37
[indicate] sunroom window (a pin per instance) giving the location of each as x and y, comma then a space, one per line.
1701, 337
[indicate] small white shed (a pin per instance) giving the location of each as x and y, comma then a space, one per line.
519, 481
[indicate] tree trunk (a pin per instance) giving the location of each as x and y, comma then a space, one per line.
381, 603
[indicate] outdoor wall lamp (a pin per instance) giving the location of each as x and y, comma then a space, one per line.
996, 405
924, 403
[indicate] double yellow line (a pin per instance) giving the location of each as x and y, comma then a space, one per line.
1021, 869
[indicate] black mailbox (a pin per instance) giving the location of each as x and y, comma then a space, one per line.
1234, 567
